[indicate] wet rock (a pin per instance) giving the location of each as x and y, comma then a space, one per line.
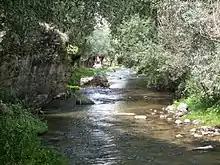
207, 128
95, 81
196, 122
193, 130
125, 114
140, 117
197, 135
169, 119
179, 136
178, 122
216, 134
204, 148
82, 99
206, 133
153, 113
163, 116
187, 121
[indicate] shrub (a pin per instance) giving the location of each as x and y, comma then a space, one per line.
19, 142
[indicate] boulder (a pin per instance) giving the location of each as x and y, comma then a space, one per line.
95, 81
182, 107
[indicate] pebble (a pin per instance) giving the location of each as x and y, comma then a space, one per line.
216, 134
140, 117
178, 122
126, 114
197, 135
187, 121
193, 130
169, 119
179, 136
153, 113
163, 116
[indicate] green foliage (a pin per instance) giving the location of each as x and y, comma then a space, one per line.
19, 142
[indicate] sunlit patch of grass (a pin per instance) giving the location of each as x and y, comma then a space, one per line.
202, 109
209, 118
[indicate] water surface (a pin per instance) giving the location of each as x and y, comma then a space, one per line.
96, 135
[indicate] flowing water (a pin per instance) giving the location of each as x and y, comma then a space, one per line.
98, 135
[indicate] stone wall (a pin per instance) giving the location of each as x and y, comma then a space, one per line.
41, 72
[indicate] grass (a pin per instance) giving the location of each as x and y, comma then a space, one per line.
202, 109
19, 142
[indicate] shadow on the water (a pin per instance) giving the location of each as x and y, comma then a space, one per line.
86, 142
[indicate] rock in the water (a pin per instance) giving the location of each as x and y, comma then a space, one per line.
178, 122
187, 121
95, 81
216, 134
179, 136
163, 116
83, 100
140, 117
193, 130
197, 135
153, 113
196, 122
125, 114
169, 119
204, 148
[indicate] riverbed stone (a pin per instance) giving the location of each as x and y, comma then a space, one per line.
178, 122
216, 133
169, 119
95, 81
197, 135
193, 130
179, 136
163, 116
187, 121
140, 117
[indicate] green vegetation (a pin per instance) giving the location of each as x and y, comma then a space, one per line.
177, 47
19, 141
202, 109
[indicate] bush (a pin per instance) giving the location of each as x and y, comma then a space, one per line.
19, 142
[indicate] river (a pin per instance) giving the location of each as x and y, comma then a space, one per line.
97, 135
